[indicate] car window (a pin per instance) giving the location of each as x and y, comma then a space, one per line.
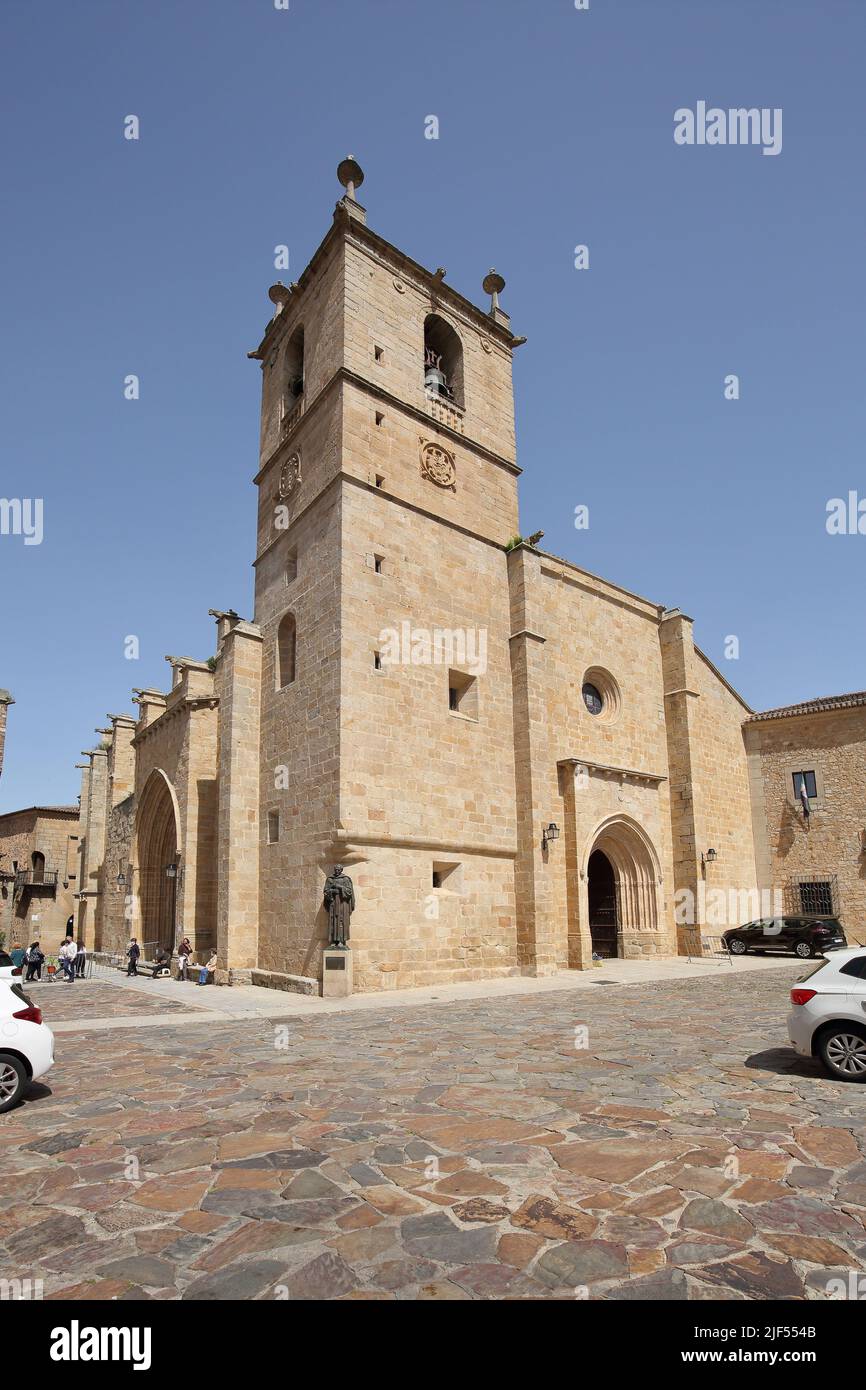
856, 967
4, 959
821, 965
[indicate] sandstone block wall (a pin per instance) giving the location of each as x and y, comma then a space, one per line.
422, 785
38, 912
833, 842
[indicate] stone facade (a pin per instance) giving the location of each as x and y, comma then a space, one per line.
38, 874
520, 764
819, 861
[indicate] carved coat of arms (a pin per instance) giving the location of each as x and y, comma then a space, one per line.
290, 476
437, 464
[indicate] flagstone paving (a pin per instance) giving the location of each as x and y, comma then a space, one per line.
451, 1151
61, 1001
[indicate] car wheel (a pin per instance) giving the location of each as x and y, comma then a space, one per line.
13, 1080
803, 950
842, 1049
738, 947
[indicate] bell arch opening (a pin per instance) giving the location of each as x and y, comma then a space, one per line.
622, 873
443, 360
157, 864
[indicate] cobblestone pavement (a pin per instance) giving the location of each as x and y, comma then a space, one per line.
60, 1002
471, 1150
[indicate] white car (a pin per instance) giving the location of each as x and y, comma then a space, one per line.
828, 1014
26, 1043
8, 971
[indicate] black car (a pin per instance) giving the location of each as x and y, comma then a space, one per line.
802, 936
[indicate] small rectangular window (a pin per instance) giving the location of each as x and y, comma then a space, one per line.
811, 784
273, 827
447, 875
380, 418
379, 563
379, 354
377, 661
463, 694
291, 567
380, 481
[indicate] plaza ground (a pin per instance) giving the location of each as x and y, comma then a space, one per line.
626, 1133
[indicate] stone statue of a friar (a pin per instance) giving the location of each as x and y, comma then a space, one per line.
340, 902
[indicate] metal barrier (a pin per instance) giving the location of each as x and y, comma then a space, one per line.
701, 947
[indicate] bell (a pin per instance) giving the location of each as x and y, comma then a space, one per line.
435, 381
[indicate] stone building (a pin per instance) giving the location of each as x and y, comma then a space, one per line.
519, 763
817, 861
38, 869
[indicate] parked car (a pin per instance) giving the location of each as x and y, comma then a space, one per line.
8, 969
803, 936
26, 1043
828, 1014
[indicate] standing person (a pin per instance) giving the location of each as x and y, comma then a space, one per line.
80, 959
133, 952
66, 955
184, 951
19, 956
34, 958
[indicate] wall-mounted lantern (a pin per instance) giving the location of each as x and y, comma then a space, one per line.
550, 832
710, 857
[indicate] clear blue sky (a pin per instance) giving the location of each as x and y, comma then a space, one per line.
556, 128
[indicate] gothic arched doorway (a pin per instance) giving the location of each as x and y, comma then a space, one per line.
601, 889
622, 872
157, 863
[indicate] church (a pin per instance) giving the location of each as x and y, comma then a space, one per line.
521, 766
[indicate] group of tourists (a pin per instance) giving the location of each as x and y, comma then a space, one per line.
71, 957
162, 962
72, 961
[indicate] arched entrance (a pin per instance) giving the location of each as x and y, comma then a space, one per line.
622, 872
601, 888
157, 863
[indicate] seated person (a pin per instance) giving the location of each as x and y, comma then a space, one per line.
205, 969
161, 963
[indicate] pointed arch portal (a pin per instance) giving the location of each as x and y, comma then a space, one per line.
157, 837
621, 871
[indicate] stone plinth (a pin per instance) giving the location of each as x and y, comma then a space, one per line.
336, 974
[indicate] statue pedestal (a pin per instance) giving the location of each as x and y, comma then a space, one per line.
336, 974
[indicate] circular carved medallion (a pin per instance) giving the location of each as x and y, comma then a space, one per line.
290, 475
399, 287
438, 464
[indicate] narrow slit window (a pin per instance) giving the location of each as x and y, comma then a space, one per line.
286, 645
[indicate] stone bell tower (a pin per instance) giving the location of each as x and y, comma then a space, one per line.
387, 493
5, 701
